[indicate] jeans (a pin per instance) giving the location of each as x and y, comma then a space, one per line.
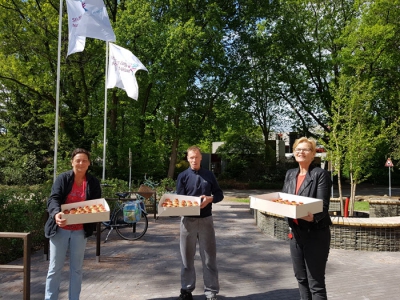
191, 231
309, 251
60, 243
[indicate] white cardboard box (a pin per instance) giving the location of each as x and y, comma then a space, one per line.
179, 211
264, 203
89, 217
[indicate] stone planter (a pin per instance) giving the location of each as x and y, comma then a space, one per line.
384, 208
354, 233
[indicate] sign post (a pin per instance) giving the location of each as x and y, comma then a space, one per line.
130, 168
389, 164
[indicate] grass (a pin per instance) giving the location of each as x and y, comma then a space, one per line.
358, 205
361, 206
243, 200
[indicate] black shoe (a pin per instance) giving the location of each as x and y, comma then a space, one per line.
185, 295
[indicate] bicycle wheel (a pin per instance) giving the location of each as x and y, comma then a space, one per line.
130, 231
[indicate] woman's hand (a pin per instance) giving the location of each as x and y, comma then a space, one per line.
308, 218
206, 200
59, 220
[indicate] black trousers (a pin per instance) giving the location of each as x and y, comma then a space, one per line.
309, 250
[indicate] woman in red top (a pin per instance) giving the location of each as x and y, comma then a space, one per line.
311, 236
69, 187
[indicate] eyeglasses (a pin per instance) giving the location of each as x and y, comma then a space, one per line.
299, 150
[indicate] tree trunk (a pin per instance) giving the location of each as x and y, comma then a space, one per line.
340, 194
353, 185
172, 161
353, 198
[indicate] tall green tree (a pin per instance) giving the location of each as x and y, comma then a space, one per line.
366, 97
356, 132
303, 49
181, 43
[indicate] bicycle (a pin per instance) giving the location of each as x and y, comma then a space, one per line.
127, 228
150, 184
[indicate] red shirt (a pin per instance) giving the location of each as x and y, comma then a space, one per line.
77, 194
300, 179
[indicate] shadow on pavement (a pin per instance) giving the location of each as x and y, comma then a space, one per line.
283, 294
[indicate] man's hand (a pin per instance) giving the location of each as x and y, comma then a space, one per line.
206, 200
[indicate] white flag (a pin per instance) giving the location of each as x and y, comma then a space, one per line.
75, 13
122, 67
87, 18
95, 22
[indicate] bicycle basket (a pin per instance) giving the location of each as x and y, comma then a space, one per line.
145, 191
132, 212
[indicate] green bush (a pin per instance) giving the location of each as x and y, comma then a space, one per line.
112, 186
25, 171
23, 209
164, 186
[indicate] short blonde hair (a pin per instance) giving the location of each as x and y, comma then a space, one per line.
193, 148
311, 143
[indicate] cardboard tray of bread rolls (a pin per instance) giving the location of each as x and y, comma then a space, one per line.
87, 212
179, 205
287, 205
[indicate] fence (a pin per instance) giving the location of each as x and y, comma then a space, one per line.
26, 267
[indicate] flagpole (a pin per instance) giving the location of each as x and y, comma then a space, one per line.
105, 117
57, 91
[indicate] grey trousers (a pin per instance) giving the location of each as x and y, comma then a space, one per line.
201, 229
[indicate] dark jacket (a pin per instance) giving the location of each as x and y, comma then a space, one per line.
317, 184
62, 186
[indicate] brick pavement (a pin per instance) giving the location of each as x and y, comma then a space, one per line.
251, 266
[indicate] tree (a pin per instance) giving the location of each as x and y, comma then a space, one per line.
181, 43
355, 132
242, 152
303, 48
362, 113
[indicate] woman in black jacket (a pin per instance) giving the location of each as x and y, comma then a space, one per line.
310, 236
69, 187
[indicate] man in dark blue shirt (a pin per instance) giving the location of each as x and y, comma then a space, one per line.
199, 182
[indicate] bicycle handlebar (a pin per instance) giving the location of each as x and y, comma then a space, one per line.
122, 195
106, 185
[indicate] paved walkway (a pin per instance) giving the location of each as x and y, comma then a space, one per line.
251, 266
